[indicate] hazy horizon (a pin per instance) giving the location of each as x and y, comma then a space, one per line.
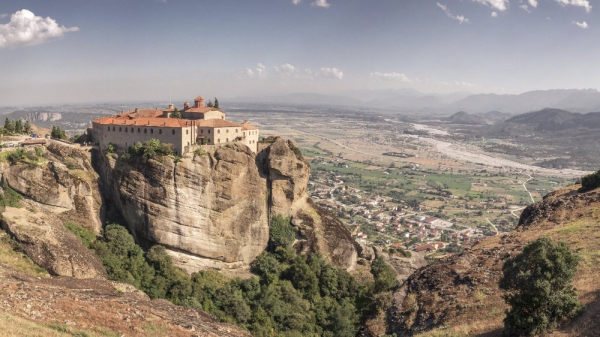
110, 51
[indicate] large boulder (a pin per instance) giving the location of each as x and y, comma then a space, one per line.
50, 245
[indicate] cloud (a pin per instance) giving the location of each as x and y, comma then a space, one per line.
500, 5
319, 3
461, 19
392, 77
578, 3
286, 69
525, 8
582, 24
26, 29
295, 2
464, 84
494, 14
3, 15
260, 71
333, 73
533, 3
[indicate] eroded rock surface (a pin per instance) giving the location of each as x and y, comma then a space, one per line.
50, 245
101, 305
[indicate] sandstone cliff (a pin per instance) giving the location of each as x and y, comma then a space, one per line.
460, 294
64, 184
50, 245
212, 210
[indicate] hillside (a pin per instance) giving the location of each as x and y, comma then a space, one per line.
463, 117
460, 294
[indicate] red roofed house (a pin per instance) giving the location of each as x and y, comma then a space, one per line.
198, 125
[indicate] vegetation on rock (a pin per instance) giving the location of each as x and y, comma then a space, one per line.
590, 182
57, 133
540, 295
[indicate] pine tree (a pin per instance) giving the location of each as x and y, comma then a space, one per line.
18, 126
176, 114
27, 126
210, 104
9, 127
216, 103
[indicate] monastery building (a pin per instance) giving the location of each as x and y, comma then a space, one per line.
198, 125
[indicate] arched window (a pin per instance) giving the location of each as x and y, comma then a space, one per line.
139, 130
109, 128
173, 131
131, 129
227, 140
151, 130
160, 131
218, 131
145, 130
219, 140
120, 129
126, 130
201, 130
208, 130
113, 128
236, 130
227, 131
187, 132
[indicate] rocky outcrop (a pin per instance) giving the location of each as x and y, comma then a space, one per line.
50, 245
208, 210
404, 266
65, 184
102, 306
212, 210
319, 231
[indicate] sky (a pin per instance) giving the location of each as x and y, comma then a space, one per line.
73, 51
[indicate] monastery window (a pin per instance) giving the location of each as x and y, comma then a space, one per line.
113, 128
160, 131
187, 132
219, 140
109, 128
244, 134
151, 130
139, 130
131, 129
227, 131
209, 131
145, 130
173, 131
218, 131
201, 130
120, 129
236, 130
227, 140
126, 130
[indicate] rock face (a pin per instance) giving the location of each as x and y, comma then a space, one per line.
66, 185
212, 210
50, 245
100, 305
403, 266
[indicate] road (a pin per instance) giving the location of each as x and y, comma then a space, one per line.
493, 226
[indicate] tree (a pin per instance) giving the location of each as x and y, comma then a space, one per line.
9, 127
216, 103
176, 114
57, 133
281, 233
27, 126
540, 293
210, 104
18, 126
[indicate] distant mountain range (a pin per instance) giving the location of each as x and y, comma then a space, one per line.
586, 100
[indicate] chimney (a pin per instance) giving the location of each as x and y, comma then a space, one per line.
186, 105
171, 106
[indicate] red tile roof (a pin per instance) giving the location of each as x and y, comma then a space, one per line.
216, 123
34, 142
198, 98
201, 110
145, 121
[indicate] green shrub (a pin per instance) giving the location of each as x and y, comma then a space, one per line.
10, 197
281, 232
540, 293
200, 152
111, 148
590, 182
85, 235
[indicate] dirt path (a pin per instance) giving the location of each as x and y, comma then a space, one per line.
493, 226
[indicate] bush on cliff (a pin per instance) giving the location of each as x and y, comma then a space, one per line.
590, 182
150, 149
281, 233
540, 293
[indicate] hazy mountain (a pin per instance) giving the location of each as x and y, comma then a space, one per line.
557, 120
463, 117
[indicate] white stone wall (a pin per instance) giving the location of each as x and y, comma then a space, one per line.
127, 135
251, 139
